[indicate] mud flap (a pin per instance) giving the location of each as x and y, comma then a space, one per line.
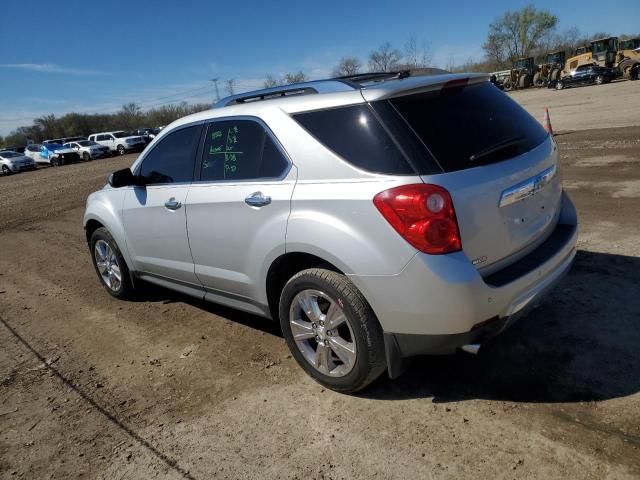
396, 363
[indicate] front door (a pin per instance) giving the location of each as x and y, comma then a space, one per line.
238, 208
154, 214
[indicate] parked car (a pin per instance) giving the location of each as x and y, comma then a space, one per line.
14, 162
56, 154
88, 150
33, 151
357, 218
16, 149
62, 141
120, 142
585, 75
148, 134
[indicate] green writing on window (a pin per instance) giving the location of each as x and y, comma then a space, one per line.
223, 143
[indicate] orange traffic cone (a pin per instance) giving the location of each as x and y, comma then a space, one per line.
547, 121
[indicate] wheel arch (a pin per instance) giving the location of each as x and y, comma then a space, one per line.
286, 266
101, 212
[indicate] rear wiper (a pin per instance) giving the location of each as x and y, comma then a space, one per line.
496, 148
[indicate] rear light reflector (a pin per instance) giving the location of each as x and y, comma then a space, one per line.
423, 215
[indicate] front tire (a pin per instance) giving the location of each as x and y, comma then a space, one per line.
559, 85
110, 265
331, 330
6, 170
121, 150
599, 80
86, 157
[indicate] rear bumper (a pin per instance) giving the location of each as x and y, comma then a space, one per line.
439, 303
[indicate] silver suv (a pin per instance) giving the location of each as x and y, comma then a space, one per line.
377, 217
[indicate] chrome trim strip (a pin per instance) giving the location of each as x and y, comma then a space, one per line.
527, 188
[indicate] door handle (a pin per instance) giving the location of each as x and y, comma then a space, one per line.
257, 199
172, 204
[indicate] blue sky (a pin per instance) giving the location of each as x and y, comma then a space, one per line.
72, 55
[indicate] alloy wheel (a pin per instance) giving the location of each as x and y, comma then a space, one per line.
107, 265
322, 333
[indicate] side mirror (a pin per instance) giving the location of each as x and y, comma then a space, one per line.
124, 178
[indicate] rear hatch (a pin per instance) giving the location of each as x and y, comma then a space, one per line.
496, 161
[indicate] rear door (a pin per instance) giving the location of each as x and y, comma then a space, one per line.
237, 211
498, 164
154, 215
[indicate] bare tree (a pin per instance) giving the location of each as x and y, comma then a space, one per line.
385, 59
451, 63
416, 54
296, 77
231, 86
270, 81
517, 34
129, 116
347, 66
495, 52
47, 124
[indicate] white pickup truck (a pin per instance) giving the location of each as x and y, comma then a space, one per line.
119, 141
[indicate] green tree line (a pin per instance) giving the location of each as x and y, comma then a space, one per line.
129, 118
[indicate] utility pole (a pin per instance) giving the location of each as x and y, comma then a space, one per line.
231, 86
215, 83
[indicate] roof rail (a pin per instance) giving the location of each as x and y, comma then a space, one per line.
303, 88
373, 76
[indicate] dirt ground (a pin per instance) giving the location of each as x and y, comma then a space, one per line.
168, 387
610, 105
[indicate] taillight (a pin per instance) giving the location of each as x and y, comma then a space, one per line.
423, 215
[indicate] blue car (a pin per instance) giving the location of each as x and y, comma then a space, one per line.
56, 154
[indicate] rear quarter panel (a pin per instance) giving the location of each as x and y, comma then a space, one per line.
338, 222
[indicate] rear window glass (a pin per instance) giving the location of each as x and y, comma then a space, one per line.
470, 125
354, 134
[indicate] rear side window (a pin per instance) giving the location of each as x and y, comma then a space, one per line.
470, 125
240, 150
354, 134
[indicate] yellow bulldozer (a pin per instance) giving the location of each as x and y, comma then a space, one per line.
607, 52
629, 58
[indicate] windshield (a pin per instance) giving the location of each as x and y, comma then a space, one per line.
86, 143
120, 134
54, 146
10, 154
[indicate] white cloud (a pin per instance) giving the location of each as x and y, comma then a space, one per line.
50, 68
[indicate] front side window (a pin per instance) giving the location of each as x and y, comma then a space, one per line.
172, 160
240, 150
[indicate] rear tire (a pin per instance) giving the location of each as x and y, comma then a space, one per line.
86, 157
109, 264
55, 162
347, 352
121, 150
599, 80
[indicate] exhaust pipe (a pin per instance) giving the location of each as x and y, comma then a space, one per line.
472, 348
